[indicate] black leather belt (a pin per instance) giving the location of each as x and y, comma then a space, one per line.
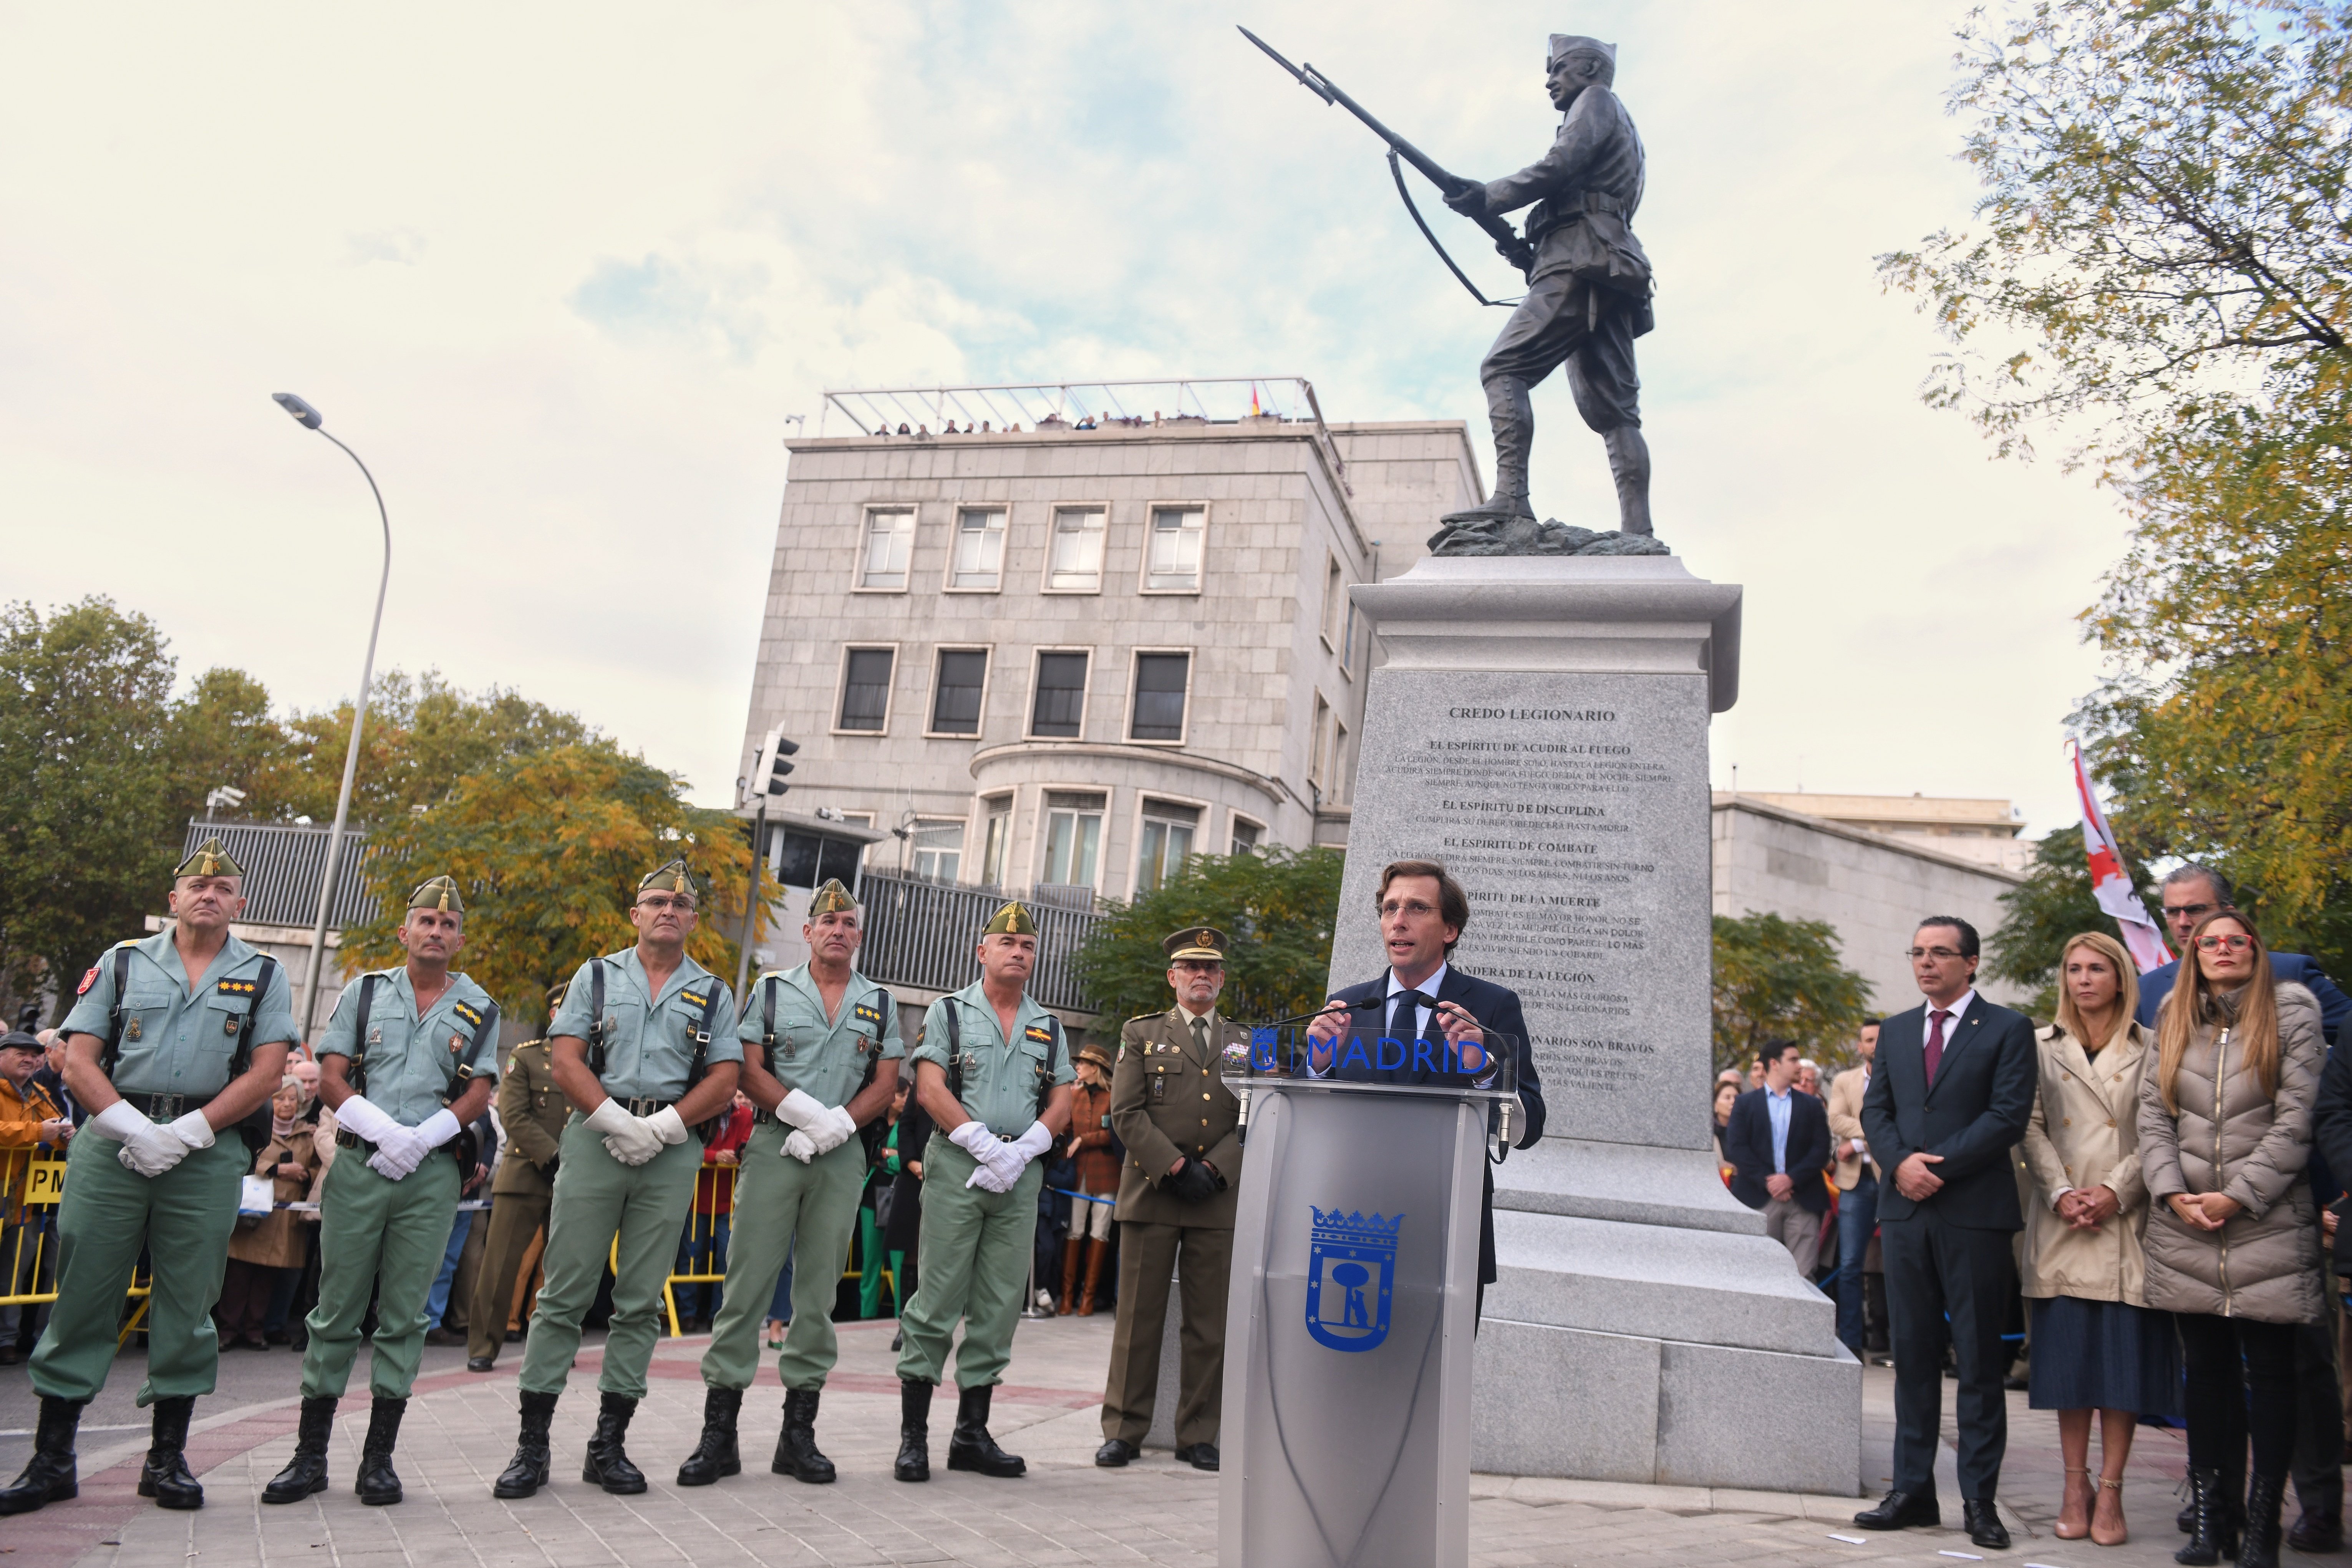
644, 1107
347, 1139
165, 1107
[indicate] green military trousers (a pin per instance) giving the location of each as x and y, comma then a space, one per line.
382, 1238
514, 1219
972, 1263
109, 1215
597, 1201
777, 1198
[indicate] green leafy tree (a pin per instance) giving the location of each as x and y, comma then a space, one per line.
86, 814
1277, 909
548, 848
1783, 979
226, 735
2162, 268
2050, 906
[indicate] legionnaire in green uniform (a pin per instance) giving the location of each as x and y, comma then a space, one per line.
992, 1072
821, 1052
173, 1042
1170, 1105
408, 1061
645, 1047
532, 1112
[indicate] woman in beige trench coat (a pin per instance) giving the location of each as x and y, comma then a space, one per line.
2097, 1346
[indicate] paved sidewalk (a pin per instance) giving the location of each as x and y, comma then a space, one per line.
460, 1429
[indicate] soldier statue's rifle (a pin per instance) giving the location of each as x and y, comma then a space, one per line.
1509, 242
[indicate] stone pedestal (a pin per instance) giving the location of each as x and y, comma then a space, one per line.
1540, 725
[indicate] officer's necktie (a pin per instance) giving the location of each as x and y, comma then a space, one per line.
1936, 1043
1201, 1041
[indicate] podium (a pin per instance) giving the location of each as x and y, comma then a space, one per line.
1354, 1295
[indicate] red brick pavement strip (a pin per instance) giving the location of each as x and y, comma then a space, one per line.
57, 1535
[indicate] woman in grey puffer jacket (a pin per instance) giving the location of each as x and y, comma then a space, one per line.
2224, 1132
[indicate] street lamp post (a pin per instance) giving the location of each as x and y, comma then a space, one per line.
308, 418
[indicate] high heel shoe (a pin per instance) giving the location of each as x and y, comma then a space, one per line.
2119, 1533
2075, 1507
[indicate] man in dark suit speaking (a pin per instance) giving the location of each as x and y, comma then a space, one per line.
1423, 997
1953, 1083
1777, 1141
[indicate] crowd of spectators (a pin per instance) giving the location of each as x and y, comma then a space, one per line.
2172, 1138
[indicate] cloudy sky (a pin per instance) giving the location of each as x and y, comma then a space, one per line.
562, 273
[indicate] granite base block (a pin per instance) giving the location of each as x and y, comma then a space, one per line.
1616, 1408
1634, 1183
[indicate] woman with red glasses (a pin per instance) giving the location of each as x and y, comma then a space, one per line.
2232, 1249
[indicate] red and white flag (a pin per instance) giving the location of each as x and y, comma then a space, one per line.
2142, 936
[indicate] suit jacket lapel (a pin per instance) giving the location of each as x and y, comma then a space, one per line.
1964, 1030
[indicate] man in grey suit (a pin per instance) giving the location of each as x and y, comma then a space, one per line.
1952, 1085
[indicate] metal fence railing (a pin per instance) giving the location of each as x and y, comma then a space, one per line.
921, 934
284, 862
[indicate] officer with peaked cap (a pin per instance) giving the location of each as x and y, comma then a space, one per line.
645, 1047
821, 1053
532, 1113
1588, 295
173, 1042
409, 1061
1177, 1195
994, 1074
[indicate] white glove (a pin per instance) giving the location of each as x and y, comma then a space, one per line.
832, 1129
666, 1125
988, 1179
192, 1130
152, 1150
799, 1108
397, 1157
363, 1118
1034, 1143
438, 1127
798, 1145
121, 1122
626, 1138
975, 1140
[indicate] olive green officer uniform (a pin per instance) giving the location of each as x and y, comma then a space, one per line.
649, 1047
1169, 1100
532, 1112
177, 1045
973, 1257
778, 1198
381, 1236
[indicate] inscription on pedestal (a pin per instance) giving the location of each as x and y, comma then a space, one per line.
1574, 809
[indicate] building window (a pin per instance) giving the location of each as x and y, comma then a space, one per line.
1166, 839
1159, 710
955, 695
889, 545
1172, 562
979, 559
1074, 565
1335, 596
995, 839
1246, 835
1348, 638
809, 858
866, 689
1339, 760
1073, 838
1318, 750
1060, 704
939, 849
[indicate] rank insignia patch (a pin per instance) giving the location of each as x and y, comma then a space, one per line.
467, 1013
1043, 1037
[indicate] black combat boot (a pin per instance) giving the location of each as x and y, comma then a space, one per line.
970, 1448
716, 1455
796, 1450
2212, 1522
527, 1471
607, 1464
166, 1476
379, 1483
2264, 1495
306, 1472
914, 1462
49, 1475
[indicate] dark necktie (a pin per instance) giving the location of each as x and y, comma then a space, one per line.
1404, 1020
1936, 1043
1200, 1042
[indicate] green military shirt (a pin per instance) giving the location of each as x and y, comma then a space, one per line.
649, 1040
410, 1067
1001, 1082
828, 1061
175, 1040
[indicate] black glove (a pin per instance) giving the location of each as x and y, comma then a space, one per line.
1194, 1184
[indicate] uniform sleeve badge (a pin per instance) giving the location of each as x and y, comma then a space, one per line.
88, 980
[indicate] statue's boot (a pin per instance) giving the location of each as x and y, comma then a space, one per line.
1629, 464
1506, 516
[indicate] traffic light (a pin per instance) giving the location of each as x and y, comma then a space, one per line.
768, 773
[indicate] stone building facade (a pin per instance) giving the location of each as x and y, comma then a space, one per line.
1060, 659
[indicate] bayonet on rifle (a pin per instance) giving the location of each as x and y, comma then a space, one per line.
1507, 241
